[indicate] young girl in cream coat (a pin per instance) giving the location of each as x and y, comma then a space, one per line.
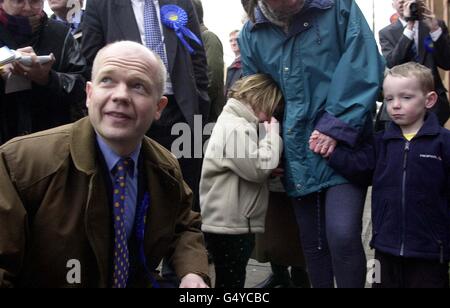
244, 148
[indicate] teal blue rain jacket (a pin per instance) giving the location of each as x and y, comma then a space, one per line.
330, 71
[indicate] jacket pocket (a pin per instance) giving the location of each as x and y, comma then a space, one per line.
248, 197
378, 213
386, 218
433, 226
248, 207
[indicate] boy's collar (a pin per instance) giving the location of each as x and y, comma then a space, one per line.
430, 127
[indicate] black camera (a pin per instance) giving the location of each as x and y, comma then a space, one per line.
414, 12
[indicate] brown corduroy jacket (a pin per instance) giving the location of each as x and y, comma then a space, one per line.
55, 214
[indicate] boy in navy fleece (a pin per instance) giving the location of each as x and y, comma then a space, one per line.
409, 168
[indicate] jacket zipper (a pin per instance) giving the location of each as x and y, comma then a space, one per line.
405, 159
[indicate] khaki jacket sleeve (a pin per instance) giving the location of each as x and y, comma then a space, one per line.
13, 228
249, 157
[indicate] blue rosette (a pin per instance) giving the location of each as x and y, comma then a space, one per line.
175, 18
429, 44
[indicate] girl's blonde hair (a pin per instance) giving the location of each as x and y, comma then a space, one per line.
259, 91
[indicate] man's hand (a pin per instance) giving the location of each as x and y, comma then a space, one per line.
429, 18
193, 281
6, 71
322, 144
406, 7
38, 73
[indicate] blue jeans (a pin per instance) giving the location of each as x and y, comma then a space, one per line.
330, 224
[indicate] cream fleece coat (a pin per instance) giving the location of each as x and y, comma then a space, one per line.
234, 185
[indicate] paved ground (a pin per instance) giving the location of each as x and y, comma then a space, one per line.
257, 272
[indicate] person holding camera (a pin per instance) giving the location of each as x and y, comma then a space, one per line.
419, 36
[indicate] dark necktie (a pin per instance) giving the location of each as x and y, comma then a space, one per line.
153, 36
415, 52
121, 254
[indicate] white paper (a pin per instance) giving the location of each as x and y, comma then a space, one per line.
6, 55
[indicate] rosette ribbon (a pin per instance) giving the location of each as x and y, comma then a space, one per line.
429, 44
175, 18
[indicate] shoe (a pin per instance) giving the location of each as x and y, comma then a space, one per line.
282, 279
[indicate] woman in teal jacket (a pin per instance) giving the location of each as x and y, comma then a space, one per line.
324, 57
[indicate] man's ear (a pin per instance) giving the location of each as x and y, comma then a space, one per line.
160, 107
431, 100
88, 92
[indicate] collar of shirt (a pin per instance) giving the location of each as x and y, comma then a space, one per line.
73, 26
60, 19
111, 157
75, 21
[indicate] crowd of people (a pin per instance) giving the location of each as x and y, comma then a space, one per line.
91, 195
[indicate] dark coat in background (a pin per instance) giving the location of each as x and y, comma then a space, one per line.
234, 73
214, 57
107, 21
280, 243
43, 107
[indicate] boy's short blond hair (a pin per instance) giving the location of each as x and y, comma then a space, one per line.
259, 91
412, 69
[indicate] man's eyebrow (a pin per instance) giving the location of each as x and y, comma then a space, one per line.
140, 77
105, 72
